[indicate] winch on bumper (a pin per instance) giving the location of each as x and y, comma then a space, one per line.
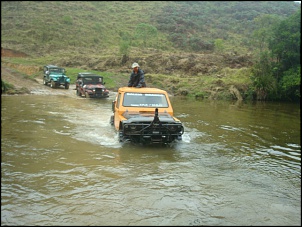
162, 129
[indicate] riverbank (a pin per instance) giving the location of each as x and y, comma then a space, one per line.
205, 76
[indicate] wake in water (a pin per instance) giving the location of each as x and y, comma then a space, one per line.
92, 124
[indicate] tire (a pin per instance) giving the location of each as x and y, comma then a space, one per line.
78, 93
52, 84
112, 120
120, 136
44, 81
87, 95
66, 86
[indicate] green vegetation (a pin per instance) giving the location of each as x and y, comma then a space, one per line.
277, 73
47, 27
254, 46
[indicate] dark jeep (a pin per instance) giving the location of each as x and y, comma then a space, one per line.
91, 85
55, 76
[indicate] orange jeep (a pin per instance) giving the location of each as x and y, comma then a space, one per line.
145, 115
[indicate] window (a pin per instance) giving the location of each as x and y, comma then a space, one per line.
145, 100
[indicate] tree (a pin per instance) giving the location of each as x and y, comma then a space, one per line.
277, 71
264, 84
264, 30
286, 41
285, 46
291, 83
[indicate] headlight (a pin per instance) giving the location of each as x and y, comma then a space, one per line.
173, 128
132, 127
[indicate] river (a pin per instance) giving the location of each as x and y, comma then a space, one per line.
238, 164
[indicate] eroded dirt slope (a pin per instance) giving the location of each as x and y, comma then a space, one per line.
23, 85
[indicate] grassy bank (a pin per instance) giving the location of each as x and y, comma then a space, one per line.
209, 86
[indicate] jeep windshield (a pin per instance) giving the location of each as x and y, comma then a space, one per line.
145, 100
57, 70
92, 80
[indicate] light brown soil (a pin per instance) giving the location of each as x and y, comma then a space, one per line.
24, 85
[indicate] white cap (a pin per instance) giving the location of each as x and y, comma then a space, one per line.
135, 65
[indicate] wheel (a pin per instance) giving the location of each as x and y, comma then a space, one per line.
112, 120
66, 86
87, 95
52, 84
78, 93
44, 81
120, 136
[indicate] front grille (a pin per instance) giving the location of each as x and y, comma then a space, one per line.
99, 91
153, 129
61, 79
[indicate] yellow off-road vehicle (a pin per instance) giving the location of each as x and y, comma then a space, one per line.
145, 115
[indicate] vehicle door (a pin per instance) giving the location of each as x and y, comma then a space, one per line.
115, 107
48, 74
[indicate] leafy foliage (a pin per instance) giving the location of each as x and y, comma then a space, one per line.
264, 25
286, 42
285, 45
280, 66
291, 83
264, 84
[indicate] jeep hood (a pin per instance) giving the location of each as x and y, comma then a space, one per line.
93, 86
147, 117
57, 74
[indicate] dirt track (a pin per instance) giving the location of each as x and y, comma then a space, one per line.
36, 86
32, 86
24, 85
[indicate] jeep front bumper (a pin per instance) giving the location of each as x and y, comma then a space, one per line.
152, 132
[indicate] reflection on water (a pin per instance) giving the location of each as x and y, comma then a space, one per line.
238, 164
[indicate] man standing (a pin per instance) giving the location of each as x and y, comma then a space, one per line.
137, 77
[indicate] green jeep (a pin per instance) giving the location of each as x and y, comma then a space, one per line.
55, 76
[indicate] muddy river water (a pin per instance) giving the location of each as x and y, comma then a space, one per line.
62, 164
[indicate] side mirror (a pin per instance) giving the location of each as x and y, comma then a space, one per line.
104, 83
